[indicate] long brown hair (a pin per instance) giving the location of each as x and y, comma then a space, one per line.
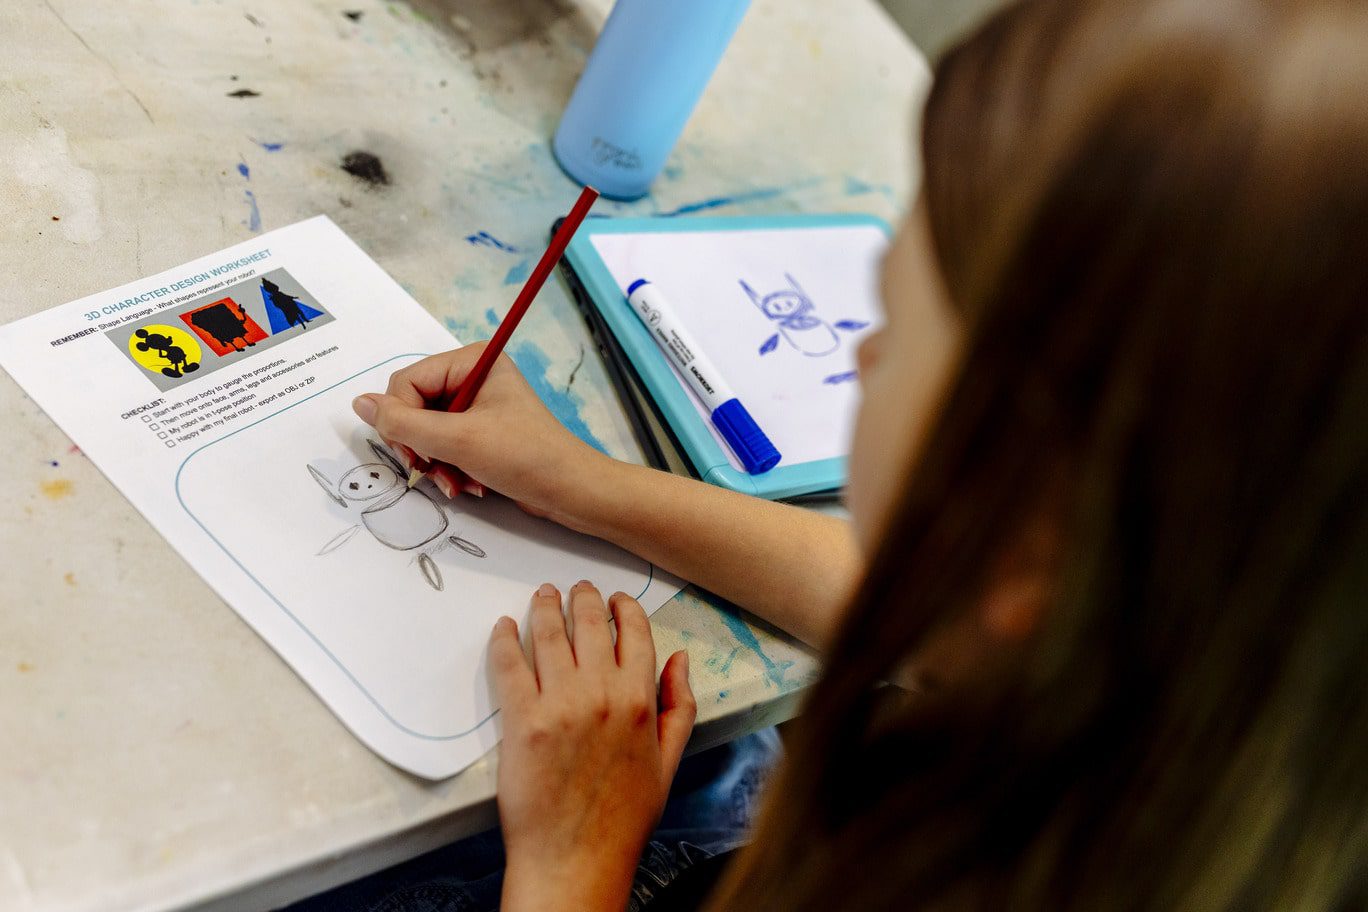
1154, 215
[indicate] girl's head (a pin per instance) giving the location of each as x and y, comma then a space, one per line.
1143, 241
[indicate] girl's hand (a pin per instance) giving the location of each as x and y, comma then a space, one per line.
587, 757
507, 440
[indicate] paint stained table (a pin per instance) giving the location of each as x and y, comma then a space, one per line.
155, 753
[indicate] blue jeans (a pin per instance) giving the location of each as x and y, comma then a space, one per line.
711, 808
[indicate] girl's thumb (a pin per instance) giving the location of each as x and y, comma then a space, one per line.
366, 408
424, 430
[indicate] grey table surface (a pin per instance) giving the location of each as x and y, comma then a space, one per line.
154, 753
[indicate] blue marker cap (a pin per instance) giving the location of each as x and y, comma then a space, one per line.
635, 285
744, 436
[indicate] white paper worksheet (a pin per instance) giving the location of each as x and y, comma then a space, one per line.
217, 397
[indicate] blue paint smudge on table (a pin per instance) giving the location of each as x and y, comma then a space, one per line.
750, 196
485, 239
846, 377
731, 657
244, 170
856, 187
270, 146
463, 330
565, 405
718, 202
469, 281
774, 671
518, 273
253, 214
492, 317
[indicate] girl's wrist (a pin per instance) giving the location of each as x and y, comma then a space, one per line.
587, 489
591, 884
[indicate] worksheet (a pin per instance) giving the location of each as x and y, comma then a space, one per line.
217, 397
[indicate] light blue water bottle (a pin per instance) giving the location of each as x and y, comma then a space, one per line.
646, 73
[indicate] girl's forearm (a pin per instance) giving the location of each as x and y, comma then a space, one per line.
792, 567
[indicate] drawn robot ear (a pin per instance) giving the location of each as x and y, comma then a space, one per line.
387, 457
796, 287
327, 486
750, 293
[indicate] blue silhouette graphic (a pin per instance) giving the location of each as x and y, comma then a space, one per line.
285, 310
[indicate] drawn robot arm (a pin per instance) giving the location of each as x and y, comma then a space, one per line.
345, 535
756, 299
798, 288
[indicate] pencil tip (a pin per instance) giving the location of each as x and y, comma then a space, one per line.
415, 476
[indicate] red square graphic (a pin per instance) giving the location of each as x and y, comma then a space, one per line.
224, 326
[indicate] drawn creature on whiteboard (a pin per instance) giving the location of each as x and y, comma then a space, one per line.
397, 516
799, 325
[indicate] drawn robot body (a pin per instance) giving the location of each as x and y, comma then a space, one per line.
396, 516
800, 328
406, 520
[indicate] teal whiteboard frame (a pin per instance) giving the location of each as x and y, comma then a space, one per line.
690, 429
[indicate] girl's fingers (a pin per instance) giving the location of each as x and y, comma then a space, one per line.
426, 431
406, 456
551, 656
514, 684
592, 641
434, 378
448, 479
677, 711
635, 648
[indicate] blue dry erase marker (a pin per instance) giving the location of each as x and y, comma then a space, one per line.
730, 417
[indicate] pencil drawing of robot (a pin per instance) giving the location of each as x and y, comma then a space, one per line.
799, 324
397, 516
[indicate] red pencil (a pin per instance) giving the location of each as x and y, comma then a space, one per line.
470, 387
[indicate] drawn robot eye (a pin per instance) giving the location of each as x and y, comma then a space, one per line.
374, 474
354, 486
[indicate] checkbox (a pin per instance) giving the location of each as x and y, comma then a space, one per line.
161, 435
170, 443
153, 426
147, 417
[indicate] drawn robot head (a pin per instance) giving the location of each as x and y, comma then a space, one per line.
781, 305
367, 482
784, 304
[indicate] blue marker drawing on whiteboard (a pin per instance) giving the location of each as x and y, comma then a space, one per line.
799, 324
729, 416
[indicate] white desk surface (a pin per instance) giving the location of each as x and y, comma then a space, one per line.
154, 753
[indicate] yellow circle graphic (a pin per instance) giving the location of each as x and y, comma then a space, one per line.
165, 350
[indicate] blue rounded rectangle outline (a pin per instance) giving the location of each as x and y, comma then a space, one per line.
341, 666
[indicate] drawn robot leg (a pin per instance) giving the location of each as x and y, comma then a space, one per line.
469, 547
428, 567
